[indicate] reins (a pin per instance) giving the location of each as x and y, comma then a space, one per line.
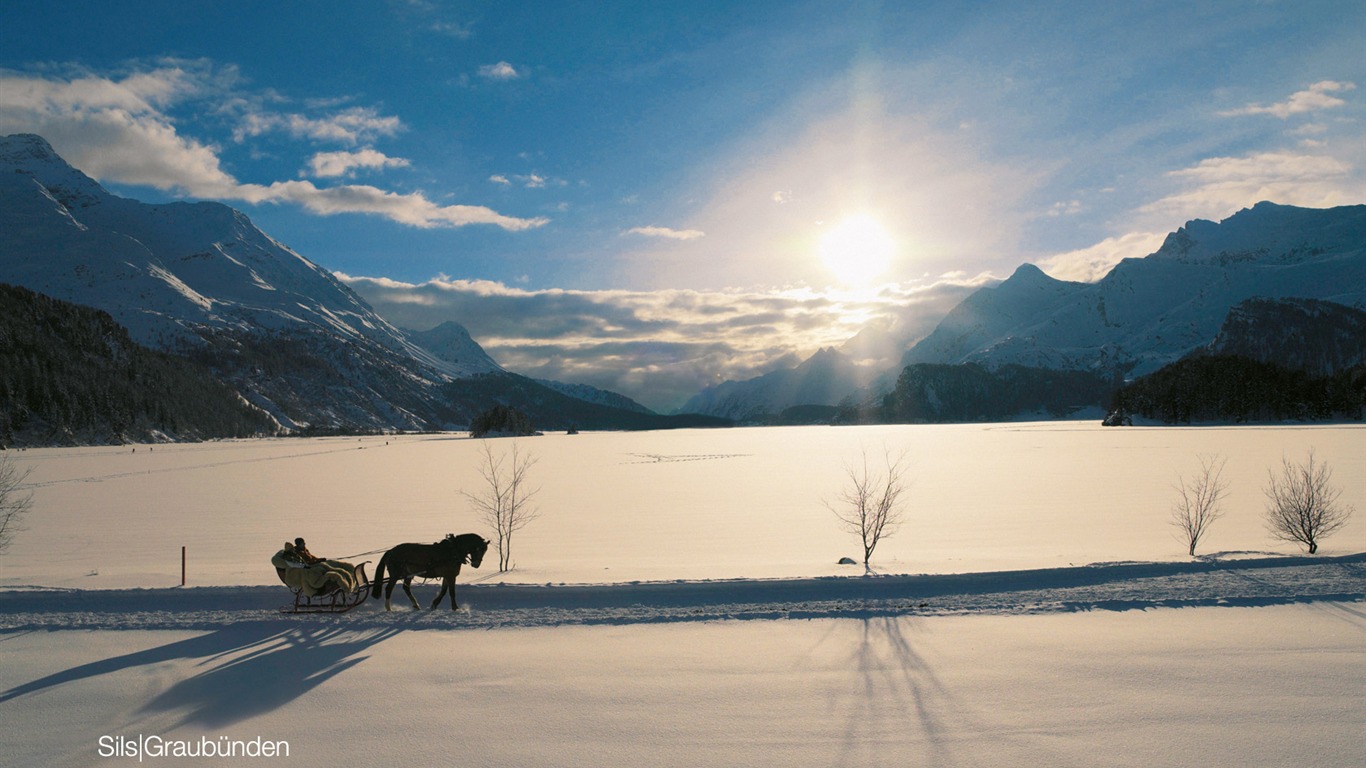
361, 554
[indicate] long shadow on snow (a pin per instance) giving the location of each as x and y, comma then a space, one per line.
247, 668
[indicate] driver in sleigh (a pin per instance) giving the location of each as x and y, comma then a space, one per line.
300, 569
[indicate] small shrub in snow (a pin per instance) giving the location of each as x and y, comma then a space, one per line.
1301, 504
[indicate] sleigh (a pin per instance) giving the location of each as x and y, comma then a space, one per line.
330, 597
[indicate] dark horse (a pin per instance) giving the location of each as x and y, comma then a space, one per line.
440, 560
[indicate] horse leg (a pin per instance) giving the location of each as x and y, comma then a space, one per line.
440, 594
408, 590
389, 593
449, 581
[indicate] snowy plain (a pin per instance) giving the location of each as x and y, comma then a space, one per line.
678, 602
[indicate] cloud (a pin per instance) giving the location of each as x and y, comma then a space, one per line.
332, 164
530, 180
120, 129
413, 208
500, 71
1064, 208
1218, 186
1315, 97
661, 347
1088, 265
351, 126
666, 232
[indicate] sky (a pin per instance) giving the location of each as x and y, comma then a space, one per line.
655, 197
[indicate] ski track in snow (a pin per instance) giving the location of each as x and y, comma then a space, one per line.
1108, 586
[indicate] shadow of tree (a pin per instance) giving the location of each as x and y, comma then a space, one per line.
900, 691
248, 668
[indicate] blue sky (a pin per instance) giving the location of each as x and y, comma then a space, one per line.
635, 194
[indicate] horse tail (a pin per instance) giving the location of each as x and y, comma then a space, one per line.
378, 582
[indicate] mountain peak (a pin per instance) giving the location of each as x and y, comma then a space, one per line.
1028, 273
31, 155
25, 146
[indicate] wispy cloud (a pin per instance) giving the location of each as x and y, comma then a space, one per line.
333, 164
1088, 265
350, 126
500, 71
1218, 186
667, 233
529, 180
660, 347
412, 208
119, 129
1316, 97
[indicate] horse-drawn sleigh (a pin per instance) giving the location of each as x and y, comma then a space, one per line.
334, 586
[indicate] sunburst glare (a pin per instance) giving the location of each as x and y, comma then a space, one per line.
857, 250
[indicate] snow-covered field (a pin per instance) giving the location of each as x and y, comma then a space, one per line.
678, 602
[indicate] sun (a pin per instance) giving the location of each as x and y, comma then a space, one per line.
858, 250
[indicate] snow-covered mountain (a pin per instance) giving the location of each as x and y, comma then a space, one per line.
163, 271
451, 343
591, 394
199, 279
825, 378
1151, 311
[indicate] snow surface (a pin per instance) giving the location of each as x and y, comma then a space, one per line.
678, 603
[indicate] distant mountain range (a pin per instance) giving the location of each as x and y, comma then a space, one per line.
1144, 314
201, 281
1277, 284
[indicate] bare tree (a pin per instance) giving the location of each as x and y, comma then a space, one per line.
870, 505
1301, 504
503, 501
1200, 498
13, 504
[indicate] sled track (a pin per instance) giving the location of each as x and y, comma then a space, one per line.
1112, 587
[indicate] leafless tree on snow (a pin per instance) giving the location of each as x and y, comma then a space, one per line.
1301, 503
870, 503
13, 503
503, 500
1200, 497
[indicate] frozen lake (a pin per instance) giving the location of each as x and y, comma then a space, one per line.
688, 504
